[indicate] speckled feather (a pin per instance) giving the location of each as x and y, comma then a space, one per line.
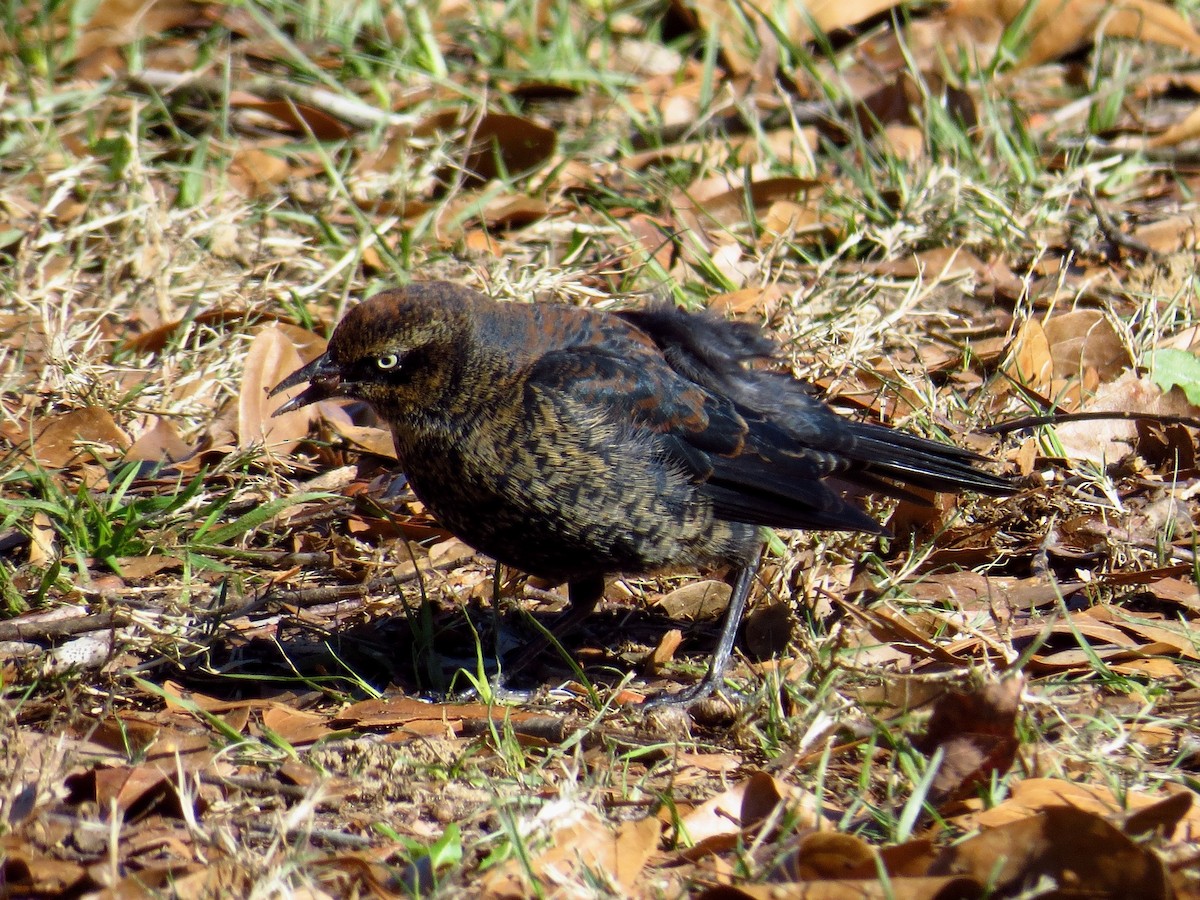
572, 443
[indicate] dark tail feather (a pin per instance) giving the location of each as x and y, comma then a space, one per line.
920, 462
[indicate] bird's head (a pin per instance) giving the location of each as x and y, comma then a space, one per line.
399, 351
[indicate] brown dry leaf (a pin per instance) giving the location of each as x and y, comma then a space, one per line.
1106, 441
936, 265
1161, 817
214, 878
1033, 795
906, 142
968, 590
126, 788
585, 845
296, 726
365, 437
296, 116
976, 732
449, 552
498, 143
898, 695
73, 437
649, 240
729, 813
118, 23
1181, 232
406, 711
470, 208
663, 652
729, 150
791, 221
513, 211
719, 203
480, 240
349, 874
271, 358
1176, 590
254, 173
763, 301
1084, 340
27, 873
1159, 639
158, 443
1029, 362
1170, 447
829, 854
1187, 130
893, 108
1060, 27
916, 888
710, 763
768, 630
1156, 668
793, 20
895, 629
183, 700
674, 98
136, 568
43, 540
1104, 642
1063, 845
713, 210
156, 339
699, 600
156, 739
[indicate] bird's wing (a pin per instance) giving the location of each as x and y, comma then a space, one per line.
749, 470
783, 415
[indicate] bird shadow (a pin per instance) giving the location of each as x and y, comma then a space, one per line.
437, 653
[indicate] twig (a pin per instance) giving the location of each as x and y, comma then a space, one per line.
277, 558
1112, 230
16, 630
349, 109
1062, 418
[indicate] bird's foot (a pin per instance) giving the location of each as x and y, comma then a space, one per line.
705, 688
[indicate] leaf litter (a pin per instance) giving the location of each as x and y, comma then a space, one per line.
228, 638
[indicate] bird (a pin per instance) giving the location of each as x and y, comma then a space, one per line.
574, 443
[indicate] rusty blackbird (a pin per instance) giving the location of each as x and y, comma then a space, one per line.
573, 444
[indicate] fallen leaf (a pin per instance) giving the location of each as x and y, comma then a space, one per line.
1063, 845
1029, 363
699, 601
1057, 28
271, 358
976, 731
298, 117
74, 437
158, 443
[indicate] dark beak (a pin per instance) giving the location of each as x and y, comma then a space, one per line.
324, 381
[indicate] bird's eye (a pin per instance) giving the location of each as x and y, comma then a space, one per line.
387, 361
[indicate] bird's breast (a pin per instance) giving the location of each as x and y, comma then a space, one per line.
560, 497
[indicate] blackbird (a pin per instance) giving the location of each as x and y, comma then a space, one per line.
573, 444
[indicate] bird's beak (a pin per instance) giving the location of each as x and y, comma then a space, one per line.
324, 381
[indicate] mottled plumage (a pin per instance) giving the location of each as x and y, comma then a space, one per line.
572, 443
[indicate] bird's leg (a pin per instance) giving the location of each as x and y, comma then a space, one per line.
715, 675
582, 596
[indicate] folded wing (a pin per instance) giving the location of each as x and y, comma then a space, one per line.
756, 443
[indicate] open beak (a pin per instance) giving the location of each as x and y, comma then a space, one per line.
324, 381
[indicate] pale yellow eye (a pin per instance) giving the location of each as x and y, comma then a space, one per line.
388, 361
